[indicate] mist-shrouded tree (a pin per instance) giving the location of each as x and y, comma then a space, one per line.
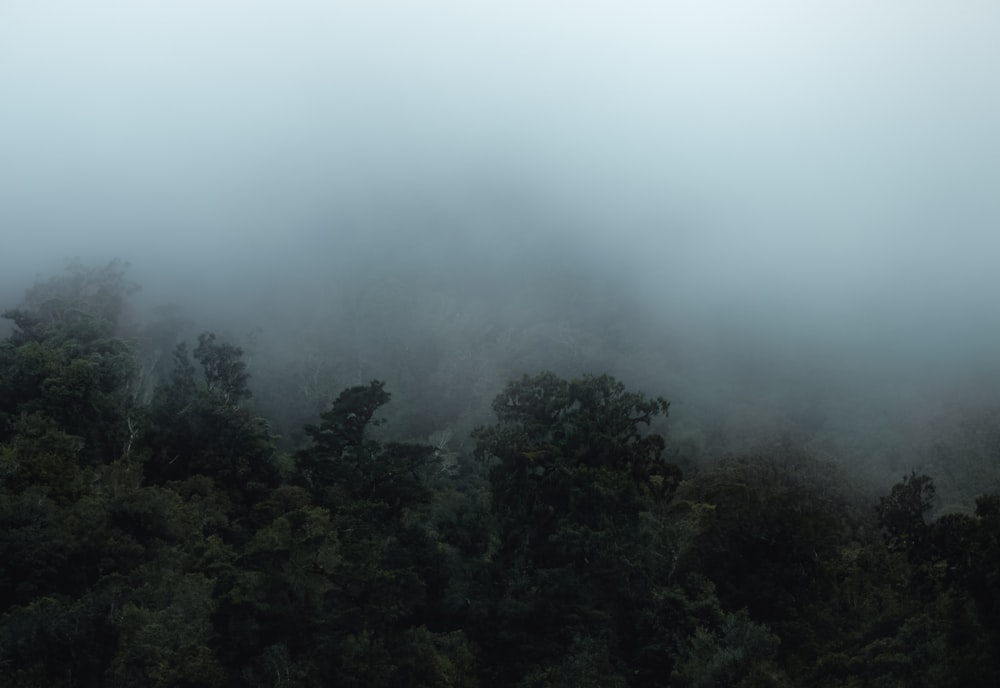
903, 511
378, 498
197, 425
344, 464
770, 530
570, 451
97, 292
67, 419
67, 362
224, 371
970, 546
573, 471
83, 544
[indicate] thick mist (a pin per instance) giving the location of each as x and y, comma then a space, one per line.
782, 216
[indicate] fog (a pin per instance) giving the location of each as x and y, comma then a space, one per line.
780, 215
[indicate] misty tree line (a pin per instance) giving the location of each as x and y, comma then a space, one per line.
154, 531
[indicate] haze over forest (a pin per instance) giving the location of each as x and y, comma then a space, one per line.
781, 216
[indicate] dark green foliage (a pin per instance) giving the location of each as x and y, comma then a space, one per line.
344, 466
571, 451
771, 522
108, 588
586, 663
330, 587
572, 474
40, 454
345, 424
968, 550
65, 361
197, 427
739, 653
223, 368
160, 545
902, 514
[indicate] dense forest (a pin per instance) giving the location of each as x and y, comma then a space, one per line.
161, 525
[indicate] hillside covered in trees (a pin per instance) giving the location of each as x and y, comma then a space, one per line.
165, 521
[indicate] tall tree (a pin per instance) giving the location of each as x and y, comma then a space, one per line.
197, 426
573, 470
378, 499
67, 361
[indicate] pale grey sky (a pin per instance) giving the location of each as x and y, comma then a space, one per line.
837, 159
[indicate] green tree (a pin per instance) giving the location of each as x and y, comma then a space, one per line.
902, 514
968, 547
573, 471
224, 371
197, 426
570, 451
771, 529
66, 360
363, 548
344, 465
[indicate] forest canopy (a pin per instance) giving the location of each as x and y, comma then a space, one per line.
155, 530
